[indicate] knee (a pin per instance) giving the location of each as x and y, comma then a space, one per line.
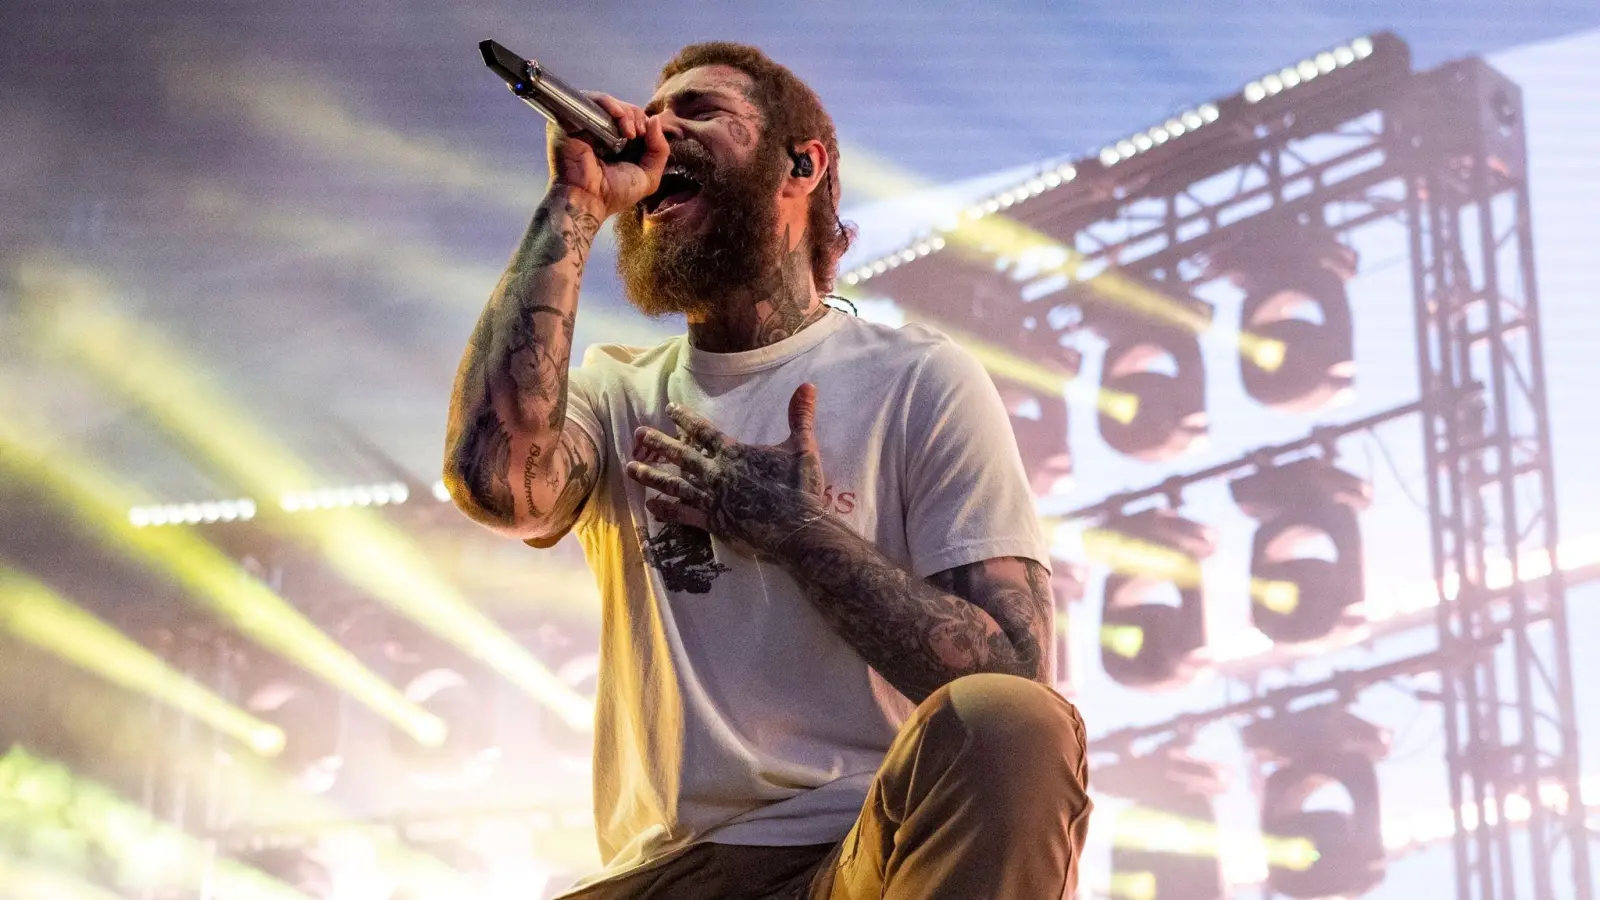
1008, 723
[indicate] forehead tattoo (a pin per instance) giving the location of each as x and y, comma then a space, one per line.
722, 87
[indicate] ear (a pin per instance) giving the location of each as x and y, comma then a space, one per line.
801, 186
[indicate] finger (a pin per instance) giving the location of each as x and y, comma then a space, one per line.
666, 483
656, 150
673, 511
803, 412
661, 446
698, 428
621, 113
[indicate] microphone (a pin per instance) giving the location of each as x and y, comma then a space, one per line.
570, 110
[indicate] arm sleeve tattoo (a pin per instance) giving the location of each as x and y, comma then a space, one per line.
510, 462
989, 616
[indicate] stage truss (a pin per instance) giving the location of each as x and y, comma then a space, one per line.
1442, 155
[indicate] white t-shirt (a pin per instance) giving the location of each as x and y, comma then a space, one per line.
728, 710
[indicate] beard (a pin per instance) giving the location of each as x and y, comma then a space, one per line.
692, 267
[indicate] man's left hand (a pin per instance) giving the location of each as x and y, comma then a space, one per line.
753, 494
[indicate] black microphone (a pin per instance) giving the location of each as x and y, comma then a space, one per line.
556, 100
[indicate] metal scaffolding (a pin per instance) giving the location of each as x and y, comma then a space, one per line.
1442, 155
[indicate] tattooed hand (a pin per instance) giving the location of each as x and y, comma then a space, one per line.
750, 494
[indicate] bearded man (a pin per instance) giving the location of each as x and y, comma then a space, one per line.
826, 606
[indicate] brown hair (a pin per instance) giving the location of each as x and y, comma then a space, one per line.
793, 114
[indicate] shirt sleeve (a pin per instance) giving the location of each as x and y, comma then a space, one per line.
967, 497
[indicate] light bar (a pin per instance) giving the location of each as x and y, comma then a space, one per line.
209, 511
1040, 183
893, 260
207, 576
1144, 141
1307, 70
393, 492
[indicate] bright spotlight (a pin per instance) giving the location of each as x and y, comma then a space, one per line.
1158, 364
1147, 641
1321, 751
1168, 843
1295, 296
1305, 561
307, 713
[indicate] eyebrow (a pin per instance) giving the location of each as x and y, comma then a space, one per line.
686, 97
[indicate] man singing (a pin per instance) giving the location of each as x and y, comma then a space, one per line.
826, 602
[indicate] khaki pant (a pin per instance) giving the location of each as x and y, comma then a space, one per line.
982, 795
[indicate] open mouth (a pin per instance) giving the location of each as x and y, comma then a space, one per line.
677, 188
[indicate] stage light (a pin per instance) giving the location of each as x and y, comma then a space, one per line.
207, 577
32, 612
1320, 751
1144, 141
1304, 507
1308, 69
436, 677
1157, 363
1147, 643
210, 511
310, 716
1168, 844
1294, 287
367, 551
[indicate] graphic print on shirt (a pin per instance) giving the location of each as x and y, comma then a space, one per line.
683, 556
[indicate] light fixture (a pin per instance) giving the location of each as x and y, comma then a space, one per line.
1158, 364
1309, 69
1305, 559
436, 677
1142, 142
311, 716
1145, 642
1316, 752
1167, 843
1294, 283
207, 512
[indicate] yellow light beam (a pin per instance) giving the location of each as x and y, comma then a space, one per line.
413, 266
266, 800
1133, 885
1129, 555
282, 102
1143, 828
208, 577
32, 612
1124, 640
364, 548
150, 853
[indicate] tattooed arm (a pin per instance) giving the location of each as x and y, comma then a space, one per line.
990, 616
512, 462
